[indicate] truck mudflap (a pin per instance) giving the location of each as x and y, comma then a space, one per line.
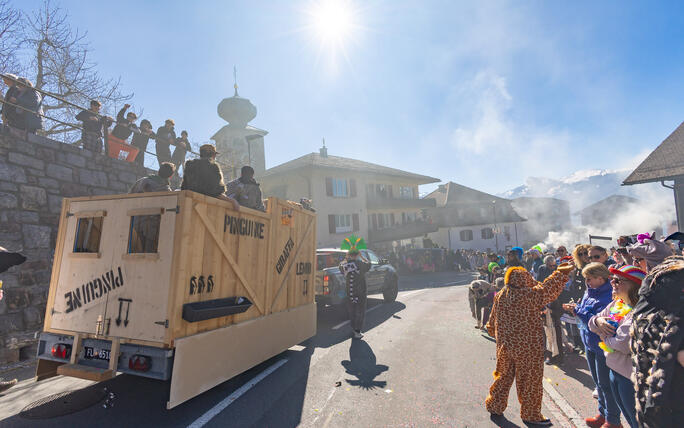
55, 350
207, 359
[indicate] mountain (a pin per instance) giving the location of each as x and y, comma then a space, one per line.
586, 187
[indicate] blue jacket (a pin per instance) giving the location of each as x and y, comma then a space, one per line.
593, 302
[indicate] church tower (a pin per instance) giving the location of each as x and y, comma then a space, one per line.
239, 143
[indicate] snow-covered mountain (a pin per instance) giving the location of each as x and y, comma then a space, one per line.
586, 187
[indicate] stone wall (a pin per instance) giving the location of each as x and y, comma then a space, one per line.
35, 174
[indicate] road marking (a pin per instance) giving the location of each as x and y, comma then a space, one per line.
575, 419
211, 413
410, 293
343, 323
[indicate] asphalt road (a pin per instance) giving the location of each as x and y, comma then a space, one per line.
421, 363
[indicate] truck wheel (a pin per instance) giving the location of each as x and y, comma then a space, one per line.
391, 289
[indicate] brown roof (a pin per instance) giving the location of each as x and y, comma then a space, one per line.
315, 160
665, 162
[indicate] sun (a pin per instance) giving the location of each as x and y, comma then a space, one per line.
334, 26
332, 20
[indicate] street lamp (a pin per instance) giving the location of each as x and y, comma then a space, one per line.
496, 237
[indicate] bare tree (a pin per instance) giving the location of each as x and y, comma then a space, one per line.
9, 38
61, 65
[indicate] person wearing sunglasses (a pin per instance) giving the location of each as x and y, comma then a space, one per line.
598, 254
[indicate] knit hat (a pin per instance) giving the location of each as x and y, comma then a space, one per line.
519, 251
629, 272
492, 265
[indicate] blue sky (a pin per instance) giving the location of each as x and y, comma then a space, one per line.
483, 93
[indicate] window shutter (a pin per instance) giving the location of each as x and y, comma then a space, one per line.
392, 219
331, 223
352, 188
375, 221
328, 188
355, 222
389, 191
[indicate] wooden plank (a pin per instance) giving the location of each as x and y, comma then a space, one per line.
280, 289
96, 213
229, 258
207, 359
85, 372
182, 248
140, 256
57, 262
114, 354
145, 211
75, 348
84, 255
196, 257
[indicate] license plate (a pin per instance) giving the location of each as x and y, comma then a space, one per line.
96, 354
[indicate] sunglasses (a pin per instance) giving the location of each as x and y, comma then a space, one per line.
638, 259
618, 280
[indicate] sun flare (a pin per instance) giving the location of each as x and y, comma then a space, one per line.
332, 20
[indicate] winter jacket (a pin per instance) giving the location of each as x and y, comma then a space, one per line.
354, 272
543, 272
30, 100
124, 127
203, 176
620, 360
92, 122
593, 302
151, 183
247, 192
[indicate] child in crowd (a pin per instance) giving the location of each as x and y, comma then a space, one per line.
612, 325
596, 298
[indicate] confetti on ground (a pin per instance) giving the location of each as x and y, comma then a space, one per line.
549, 380
388, 391
316, 410
338, 383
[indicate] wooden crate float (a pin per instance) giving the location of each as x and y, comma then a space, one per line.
135, 288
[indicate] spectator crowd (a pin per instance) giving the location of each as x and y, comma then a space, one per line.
621, 309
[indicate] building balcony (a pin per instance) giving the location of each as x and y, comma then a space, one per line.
401, 231
380, 203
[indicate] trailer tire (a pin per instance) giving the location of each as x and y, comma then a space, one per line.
391, 289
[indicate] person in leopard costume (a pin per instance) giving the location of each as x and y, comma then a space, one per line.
518, 329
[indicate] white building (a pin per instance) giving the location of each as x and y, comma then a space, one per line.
238, 143
470, 219
379, 203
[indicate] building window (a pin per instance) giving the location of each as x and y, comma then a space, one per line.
466, 235
487, 233
343, 223
382, 191
507, 232
340, 189
143, 235
406, 192
88, 234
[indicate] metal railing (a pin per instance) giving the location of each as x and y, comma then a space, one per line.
73, 127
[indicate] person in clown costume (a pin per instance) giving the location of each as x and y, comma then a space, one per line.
354, 268
517, 327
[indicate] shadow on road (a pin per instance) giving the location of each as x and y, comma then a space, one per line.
363, 365
572, 366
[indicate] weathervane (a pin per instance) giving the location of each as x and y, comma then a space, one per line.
235, 85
